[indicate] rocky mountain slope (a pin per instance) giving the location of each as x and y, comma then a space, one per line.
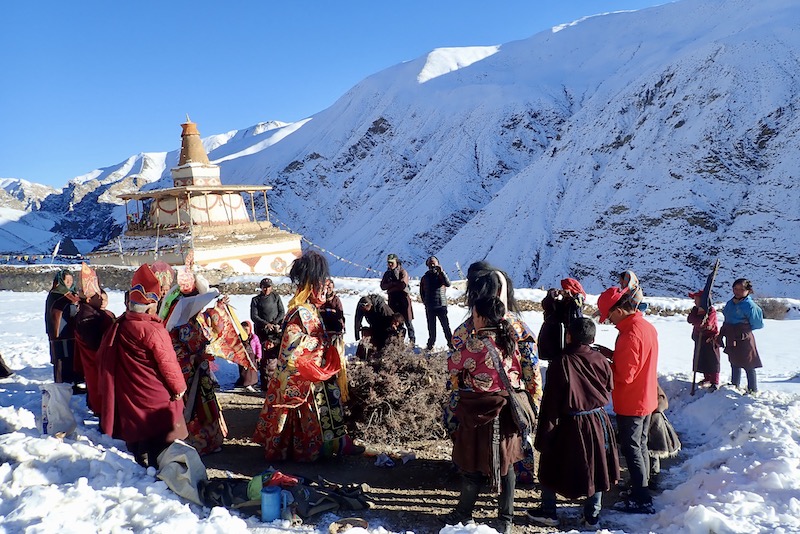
654, 140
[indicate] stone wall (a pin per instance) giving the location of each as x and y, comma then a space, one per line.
40, 278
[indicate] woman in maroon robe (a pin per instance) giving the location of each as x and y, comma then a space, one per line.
91, 323
139, 380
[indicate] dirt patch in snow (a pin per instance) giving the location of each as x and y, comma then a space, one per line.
407, 497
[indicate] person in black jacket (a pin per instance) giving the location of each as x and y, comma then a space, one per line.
61, 307
267, 312
432, 288
379, 316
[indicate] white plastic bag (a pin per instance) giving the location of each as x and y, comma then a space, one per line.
57, 417
181, 468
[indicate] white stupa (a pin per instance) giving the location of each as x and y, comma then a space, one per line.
201, 214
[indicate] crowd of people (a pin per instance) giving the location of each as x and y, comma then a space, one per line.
148, 374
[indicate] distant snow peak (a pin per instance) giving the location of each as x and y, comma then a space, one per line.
262, 127
556, 29
445, 60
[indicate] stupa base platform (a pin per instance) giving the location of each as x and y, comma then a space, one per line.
242, 248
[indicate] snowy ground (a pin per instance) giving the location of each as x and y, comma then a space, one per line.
739, 468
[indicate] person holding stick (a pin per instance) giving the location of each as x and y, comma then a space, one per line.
704, 333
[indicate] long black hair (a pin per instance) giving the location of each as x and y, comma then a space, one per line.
493, 312
309, 273
310, 269
483, 280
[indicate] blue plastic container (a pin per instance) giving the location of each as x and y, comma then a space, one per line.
270, 503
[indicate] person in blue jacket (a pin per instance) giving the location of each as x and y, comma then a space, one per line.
742, 316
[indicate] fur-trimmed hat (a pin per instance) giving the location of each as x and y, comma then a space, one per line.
145, 287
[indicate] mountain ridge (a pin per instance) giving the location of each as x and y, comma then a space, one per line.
654, 140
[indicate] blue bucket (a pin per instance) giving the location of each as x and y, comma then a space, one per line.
270, 503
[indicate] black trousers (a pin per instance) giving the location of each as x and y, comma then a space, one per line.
431, 314
471, 485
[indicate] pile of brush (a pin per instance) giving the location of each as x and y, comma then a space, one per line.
397, 396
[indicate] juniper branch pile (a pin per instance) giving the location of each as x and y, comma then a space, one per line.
398, 396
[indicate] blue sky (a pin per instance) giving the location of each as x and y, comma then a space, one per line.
86, 84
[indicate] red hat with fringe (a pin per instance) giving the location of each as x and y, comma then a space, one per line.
145, 287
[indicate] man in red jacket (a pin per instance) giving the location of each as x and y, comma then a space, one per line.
634, 362
139, 379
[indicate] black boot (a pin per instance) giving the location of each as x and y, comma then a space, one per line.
505, 503
470, 488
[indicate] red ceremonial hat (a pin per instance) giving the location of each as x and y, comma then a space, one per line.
570, 284
145, 287
696, 294
607, 299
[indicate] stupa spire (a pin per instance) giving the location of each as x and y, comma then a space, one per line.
192, 150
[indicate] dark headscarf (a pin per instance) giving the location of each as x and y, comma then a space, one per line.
58, 283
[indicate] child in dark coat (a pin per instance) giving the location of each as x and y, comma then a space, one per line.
662, 440
704, 333
248, 377
579, 455
397, 329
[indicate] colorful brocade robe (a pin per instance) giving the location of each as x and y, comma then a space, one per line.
302, 415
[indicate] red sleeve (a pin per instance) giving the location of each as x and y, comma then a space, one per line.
627, 362
712, 328
167, 361
694, 318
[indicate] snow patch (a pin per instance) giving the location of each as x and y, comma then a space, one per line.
446, 60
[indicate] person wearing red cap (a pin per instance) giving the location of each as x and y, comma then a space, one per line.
560, 308
139, 380
704, 333
634, 362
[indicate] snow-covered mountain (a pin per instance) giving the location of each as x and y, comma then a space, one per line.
654, 140
23, 195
